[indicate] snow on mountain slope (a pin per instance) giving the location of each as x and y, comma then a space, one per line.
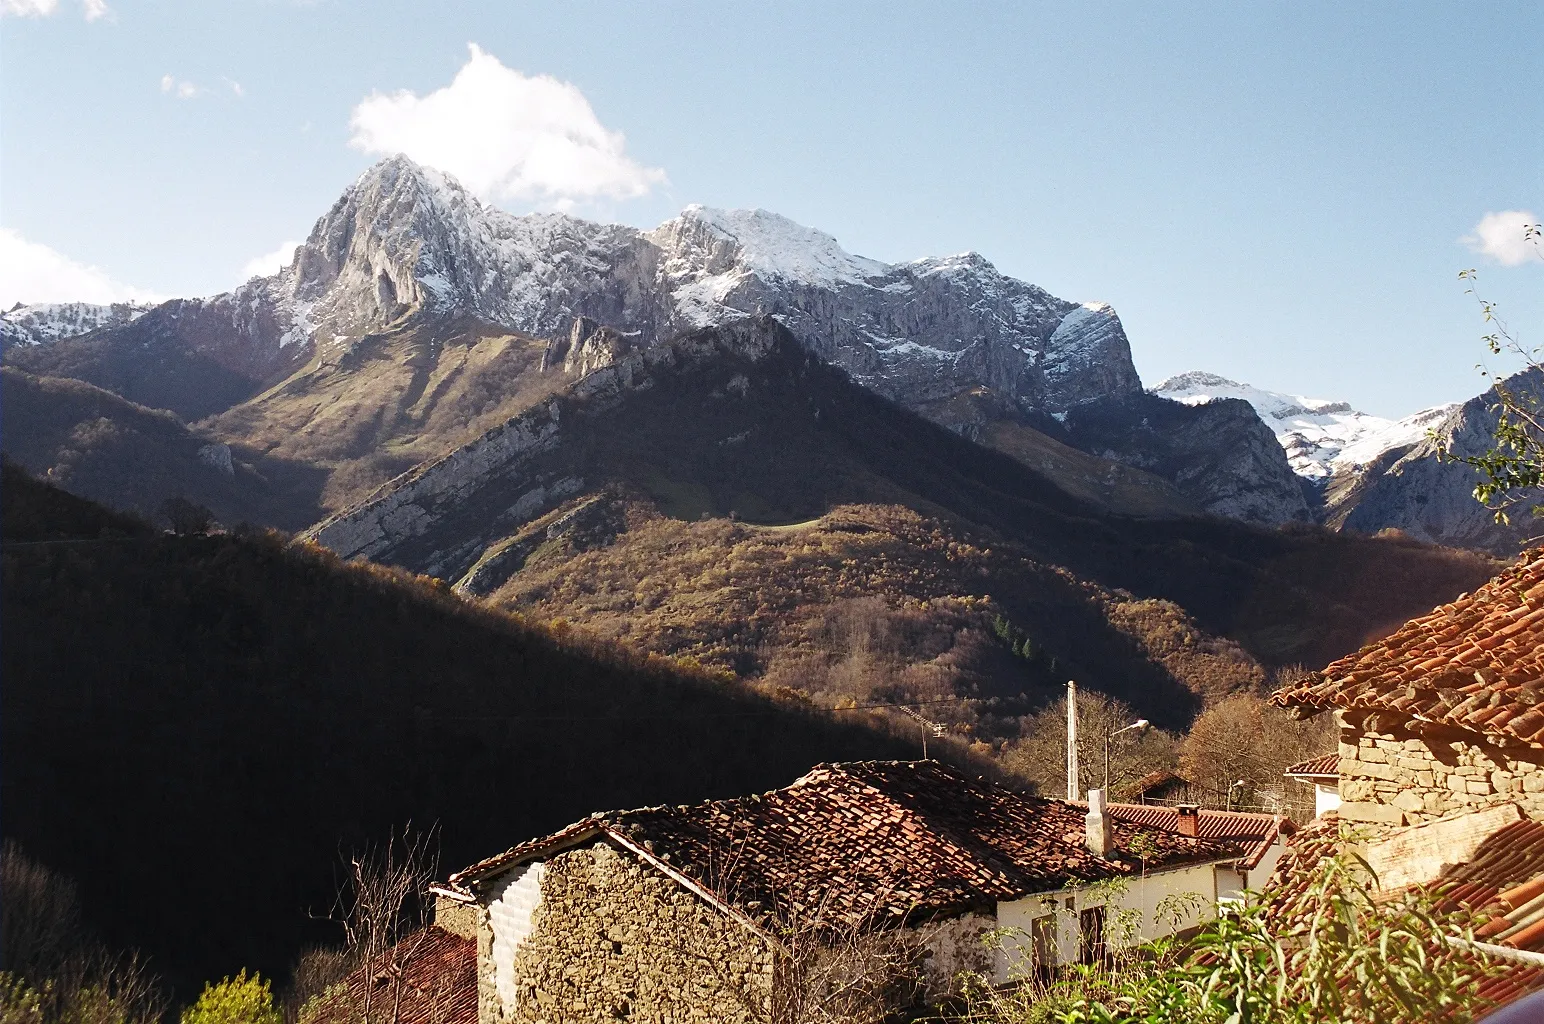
405, 241
32, 325
1321, 438
405, 237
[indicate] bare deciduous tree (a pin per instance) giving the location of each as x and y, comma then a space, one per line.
1241, 739
384, 909
57, 970
1040, 756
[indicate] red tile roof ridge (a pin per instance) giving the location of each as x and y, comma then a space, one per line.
1323, 765
1475, 664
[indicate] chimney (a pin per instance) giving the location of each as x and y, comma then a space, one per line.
1098, 828
1189, 820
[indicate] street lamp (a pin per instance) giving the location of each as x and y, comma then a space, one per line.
1138, 725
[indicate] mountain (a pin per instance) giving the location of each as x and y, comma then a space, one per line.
1220, 455
1323, 439
179, 712
865, 603
742, 422
104, 447
408, 244
1410, 488
32, 325
1369, 474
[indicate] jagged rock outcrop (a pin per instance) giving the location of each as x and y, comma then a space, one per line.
1410, 488
1219, 454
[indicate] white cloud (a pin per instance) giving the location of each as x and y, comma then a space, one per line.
34, 273
506, 136
1504, 237
270, 262
28, 8
183, 90
234, 85
92, 9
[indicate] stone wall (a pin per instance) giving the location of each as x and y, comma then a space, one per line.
954, 946
1394, 776
456, 917
613, 939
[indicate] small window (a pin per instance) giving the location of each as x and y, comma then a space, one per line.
1042, 935
1091, 935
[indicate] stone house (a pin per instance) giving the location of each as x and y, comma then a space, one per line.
691, 913
1441, 767
1485, 868
1446, 714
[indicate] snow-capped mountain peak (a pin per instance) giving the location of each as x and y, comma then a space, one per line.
1321, 437
766, 244
406, 239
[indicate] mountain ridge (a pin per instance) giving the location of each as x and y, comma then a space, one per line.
405, 241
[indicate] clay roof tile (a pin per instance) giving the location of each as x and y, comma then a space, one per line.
1496, 632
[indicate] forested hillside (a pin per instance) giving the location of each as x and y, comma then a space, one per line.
194, 727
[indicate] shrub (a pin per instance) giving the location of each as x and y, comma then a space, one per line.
1335, 949
238, 1000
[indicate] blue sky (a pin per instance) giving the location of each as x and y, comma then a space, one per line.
1274, 192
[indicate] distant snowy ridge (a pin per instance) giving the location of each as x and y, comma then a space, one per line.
1322, 438
32, 325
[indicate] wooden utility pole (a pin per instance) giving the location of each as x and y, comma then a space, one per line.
1073, 783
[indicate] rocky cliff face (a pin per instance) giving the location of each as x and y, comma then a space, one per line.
408, 238
1409, 488
1219, 454
405, 241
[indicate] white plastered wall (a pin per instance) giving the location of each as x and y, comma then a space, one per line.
1137, 910
511, 907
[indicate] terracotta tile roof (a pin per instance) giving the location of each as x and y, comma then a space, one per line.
901, 837
1255, 833
1504, 881
1316, 767
439, 975
1499, 892
1476, 663
1151, 781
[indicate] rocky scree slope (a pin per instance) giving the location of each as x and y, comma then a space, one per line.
407, 241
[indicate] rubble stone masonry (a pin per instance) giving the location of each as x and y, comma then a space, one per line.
1392, 775
612, 939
